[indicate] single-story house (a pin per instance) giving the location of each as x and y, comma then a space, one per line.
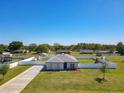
7, 54
63, 51
20, 51
44, 54
62, 62
101, 52
86, 51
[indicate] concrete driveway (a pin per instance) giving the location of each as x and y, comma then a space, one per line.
17, 84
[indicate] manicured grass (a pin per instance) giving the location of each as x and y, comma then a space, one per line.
12, 73
86, 61
82, 81
42, 60
78, 54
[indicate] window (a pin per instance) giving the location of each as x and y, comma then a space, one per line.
72, 66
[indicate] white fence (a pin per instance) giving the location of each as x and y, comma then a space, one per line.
25, 63
13, 64
28, 59
17, 63
95, 66
110, 54
21, 57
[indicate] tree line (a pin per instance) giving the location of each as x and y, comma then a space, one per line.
16, 45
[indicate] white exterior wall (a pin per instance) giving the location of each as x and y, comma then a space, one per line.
13, 64
69, 65
16, 63
24, 63
96, 66
76, 65
28, 59
54, 66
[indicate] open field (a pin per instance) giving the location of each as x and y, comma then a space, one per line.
12, 73
82, 81
86, 61
42, 60
78, 54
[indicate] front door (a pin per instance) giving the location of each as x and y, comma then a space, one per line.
65, 66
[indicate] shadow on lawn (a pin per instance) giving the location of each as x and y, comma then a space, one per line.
1, 79
100, 80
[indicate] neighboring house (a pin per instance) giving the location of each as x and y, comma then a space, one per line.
6, 57
7, 54
20, 51
62, 62
86, 51
101, 52
63, 51
111, 53
102, 59
44, 54
37, 57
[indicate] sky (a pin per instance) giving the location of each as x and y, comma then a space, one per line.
62, 21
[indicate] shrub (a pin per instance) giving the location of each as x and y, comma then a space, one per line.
4, 69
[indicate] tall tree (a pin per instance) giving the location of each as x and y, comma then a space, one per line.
32, 47
58, 47
42, 48
4, 69
15, 45
2, 47
98, 47
120, 48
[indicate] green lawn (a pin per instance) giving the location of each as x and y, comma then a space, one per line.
42, 60
78, 54
12, 73
86, 61
83, 81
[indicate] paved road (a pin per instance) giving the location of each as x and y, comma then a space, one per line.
17, 84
